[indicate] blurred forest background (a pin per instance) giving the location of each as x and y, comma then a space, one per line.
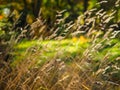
48, 8
20, 13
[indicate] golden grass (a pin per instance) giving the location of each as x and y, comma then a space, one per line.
85, 72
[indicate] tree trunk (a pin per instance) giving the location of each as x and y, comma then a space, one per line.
85, 5
36, 7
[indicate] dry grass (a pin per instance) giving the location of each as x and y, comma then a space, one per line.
84, 73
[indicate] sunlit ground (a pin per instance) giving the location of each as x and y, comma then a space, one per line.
62, 49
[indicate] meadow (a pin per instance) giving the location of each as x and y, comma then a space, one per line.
76, 55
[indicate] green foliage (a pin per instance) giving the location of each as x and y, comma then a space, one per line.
5, 31
48, 7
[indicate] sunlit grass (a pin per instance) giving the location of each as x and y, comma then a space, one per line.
61, 48
49, 48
